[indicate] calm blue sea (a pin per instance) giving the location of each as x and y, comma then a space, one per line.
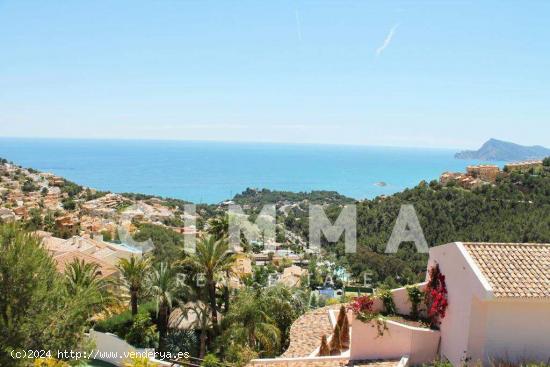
211, 172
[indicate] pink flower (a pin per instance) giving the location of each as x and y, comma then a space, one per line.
362, 304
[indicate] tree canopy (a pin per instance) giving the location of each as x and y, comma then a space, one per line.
36, 310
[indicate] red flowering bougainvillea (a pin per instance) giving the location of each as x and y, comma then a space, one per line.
436, 296
362, 305
362, 308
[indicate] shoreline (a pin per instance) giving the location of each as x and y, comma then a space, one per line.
214, 172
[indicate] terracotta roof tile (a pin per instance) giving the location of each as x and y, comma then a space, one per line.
514, 270
66, 258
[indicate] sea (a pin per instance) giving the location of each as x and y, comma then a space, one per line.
211, 172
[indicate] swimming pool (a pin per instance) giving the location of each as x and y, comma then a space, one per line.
129, 247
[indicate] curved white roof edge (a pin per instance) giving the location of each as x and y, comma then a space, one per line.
477, 271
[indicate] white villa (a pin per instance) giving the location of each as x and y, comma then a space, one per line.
499, 301
498, 309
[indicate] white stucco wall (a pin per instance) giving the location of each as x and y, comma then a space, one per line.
517, 330
480, 327
398, 340
463, 286
401, 299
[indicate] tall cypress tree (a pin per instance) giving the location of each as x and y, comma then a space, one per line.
344, 333
324, 349
335, 344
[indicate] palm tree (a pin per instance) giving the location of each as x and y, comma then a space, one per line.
212, 259
202, 321
162, 284
134, 271
219, 227
251, 325
284, 305
84, 282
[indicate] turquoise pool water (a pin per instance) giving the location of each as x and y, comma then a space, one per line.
128, 247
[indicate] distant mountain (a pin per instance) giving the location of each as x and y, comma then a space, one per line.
498, 150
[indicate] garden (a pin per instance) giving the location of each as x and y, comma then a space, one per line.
391, 323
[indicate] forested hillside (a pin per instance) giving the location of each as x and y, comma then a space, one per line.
258, 198
516, 209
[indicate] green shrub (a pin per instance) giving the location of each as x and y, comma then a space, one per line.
68, 203
29, 186
117, 324
142, 332
313, 300
387, 298
182, 341
122, 323
71, 188
240, 355
167, 242
415, 296
107, 237
210, 360
438, 363
136, 361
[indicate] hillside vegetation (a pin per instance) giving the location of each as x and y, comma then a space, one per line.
516, 209
258, 198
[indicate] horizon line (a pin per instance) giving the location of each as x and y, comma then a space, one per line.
232, 142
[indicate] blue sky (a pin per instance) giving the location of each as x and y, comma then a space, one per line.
434, 74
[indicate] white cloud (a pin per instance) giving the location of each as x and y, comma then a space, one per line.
387, 40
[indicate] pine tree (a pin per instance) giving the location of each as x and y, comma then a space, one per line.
324, 349
335, 345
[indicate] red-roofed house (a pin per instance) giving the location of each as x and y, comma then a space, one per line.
64, 259
499, 301
498, 308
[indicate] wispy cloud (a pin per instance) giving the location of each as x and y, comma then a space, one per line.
387, 40
298, 26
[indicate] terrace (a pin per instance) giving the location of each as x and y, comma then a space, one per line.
305, 336
487, 286
391, 329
